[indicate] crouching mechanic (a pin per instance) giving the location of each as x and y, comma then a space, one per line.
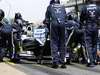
72, 27
5, 36
55, 15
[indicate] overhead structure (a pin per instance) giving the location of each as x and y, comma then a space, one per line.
71, 3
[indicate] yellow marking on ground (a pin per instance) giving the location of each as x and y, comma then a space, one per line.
11, 63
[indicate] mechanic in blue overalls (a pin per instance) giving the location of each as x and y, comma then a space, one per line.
89, 17
55, 15
17, 30
72, 26
5, 36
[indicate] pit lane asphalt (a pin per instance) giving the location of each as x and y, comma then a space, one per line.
31, 68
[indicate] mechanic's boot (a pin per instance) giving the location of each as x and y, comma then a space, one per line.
68, 62
15, 60
1, 60
63, 65
88, 64
55, 66
95, 63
